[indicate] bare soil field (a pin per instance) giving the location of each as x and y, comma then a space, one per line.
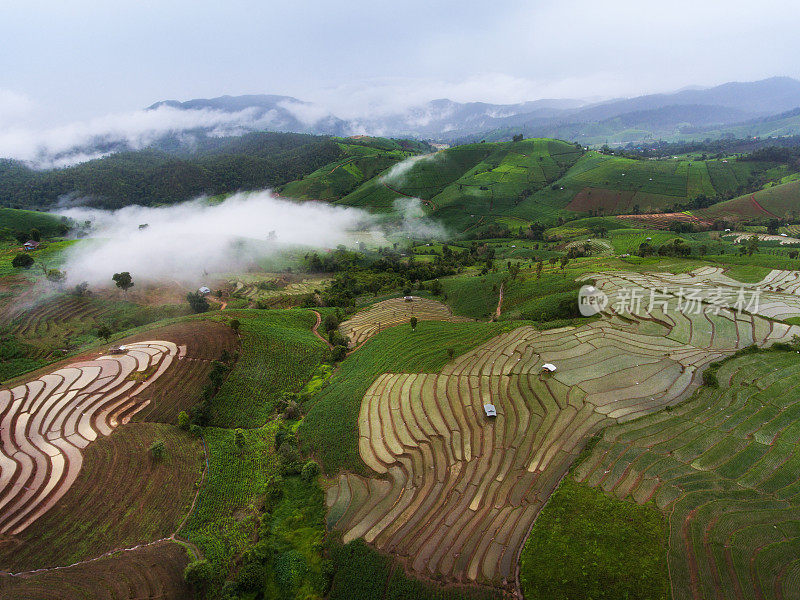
152, 572
664, 220
121, 498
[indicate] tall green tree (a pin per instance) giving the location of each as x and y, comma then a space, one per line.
123, 281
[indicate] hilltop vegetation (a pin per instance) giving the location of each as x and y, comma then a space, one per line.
360, 162
722, 467
774, 202
497, 189
465, 185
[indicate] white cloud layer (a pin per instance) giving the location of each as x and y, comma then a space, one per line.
91, 58
55, 146
187, 241
183, 242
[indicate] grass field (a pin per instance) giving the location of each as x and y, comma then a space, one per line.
748, 273
473, 295
779, 201
15, 220
49, 255
582, 546
627, 241
226, 517
777, 259
279, 354
621, 186
387, 580
553, 296
584, 227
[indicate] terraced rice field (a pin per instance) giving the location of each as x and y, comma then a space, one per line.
199, 342
62, 319
724, 467
151, 572
739, 237
390, 313
778, 295
46, 423
265, 290
455, 493
596, 246
121, 498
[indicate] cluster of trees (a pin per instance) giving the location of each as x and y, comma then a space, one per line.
788, 155
149, 177
676, 247
698, 202
711, 148
198, 302
357, 274
339, 342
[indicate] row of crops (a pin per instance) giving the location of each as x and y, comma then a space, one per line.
120, 498
279, 354
225, 518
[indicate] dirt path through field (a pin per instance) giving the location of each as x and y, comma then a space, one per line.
317, 333
499, 303
475, 224
759, 207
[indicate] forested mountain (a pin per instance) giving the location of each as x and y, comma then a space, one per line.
148, 177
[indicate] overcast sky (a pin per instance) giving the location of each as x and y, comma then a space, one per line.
68, 60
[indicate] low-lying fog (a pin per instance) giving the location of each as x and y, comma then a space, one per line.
186, 242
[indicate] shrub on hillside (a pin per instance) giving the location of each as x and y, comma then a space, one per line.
197, 302
22, 261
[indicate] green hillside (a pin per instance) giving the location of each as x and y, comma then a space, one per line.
777, 201
151, 177
621, 185
474, 183
360, 162
511, 184
13, 220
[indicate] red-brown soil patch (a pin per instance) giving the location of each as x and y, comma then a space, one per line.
121, 498
151, 572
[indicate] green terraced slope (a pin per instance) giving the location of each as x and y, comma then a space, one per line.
725, 467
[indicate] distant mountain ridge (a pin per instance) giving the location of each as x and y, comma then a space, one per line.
688, 112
